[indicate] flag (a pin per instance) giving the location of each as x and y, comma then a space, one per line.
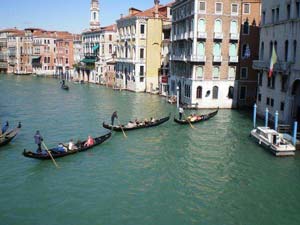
273, 61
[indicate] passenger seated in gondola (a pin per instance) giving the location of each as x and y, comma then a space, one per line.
193, 118
130, 124
89, 142
137, 122
153, 120
61, 148
72, 146
146, 121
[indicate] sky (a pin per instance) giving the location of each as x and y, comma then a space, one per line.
64, 15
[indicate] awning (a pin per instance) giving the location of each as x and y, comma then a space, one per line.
88, 60
95, 47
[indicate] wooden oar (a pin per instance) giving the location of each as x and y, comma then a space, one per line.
53, 160
188, 121
122, 129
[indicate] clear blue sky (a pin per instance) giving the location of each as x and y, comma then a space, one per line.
69, 15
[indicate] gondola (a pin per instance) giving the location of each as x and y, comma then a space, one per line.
201, 118
56, 154
65, 87
9, 136
142, 125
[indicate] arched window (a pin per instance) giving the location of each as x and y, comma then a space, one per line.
246, 27
199, 92
215, 92
201, 49
95, 15
201, 25
233, 27
199, 72
218, 26
217, 49
233, 49
230, 92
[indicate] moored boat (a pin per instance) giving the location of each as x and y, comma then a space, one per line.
197, 118
273, 141
20, 73
9, 135
58, 154
134, 126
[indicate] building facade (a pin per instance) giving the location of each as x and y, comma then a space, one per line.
205, 52
139, 49
280, 29
248, 51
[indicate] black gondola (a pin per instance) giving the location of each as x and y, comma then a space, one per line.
65, 87
201, 118
142, 125
56, 154
10, 135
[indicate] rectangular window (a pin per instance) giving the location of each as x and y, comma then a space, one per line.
142, 53
142, 29
199, 73
219, 8
259, 97
272, 102
288, 11
110, 37
264, 17
141, 70
298, 9
281, 106
246, 8
260, 76
284, 83
234, 9
277, 14
268, 101
273, 82
202, 7
273, 15
231, 73
243, 91
244, 72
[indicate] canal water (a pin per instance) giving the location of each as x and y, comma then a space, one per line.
171, 174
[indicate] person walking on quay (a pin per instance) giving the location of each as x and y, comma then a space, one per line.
38, 140
113, 117
181, 111
5, 127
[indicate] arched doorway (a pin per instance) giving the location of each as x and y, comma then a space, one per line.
296, 103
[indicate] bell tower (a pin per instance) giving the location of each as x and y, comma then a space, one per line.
94, 22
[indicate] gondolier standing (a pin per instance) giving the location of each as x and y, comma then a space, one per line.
5, 127
113, 117
180, 113
38, 140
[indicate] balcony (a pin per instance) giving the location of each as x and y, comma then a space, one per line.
197, 58
280, 66
234, 36
218, 35
202, 35
191, 36
217, 59
233, 59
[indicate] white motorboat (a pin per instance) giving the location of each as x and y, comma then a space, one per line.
273, 141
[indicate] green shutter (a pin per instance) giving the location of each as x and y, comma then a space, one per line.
201, 49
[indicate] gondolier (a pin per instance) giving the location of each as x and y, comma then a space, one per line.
38, 140
181, 111
5, 127
113, 117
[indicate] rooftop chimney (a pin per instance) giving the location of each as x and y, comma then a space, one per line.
156, 2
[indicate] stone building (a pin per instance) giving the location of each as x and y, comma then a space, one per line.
205, 51
139, 48
280, 28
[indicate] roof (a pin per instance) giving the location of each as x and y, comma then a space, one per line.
112, 27
162, 12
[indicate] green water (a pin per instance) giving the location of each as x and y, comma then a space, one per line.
171, 174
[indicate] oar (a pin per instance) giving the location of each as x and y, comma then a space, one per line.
122, 128
53, 160
188, 121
